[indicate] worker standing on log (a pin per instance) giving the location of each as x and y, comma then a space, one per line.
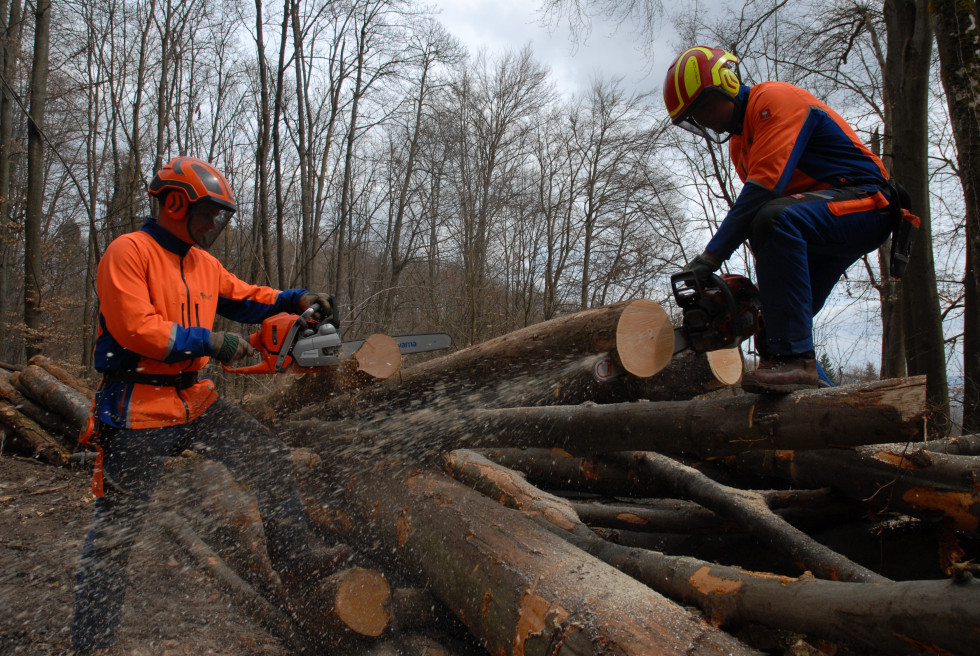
158, 299
815, 199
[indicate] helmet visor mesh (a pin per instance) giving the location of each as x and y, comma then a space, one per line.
206, 222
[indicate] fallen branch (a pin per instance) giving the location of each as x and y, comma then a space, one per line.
749, 509
36, 438
904, 478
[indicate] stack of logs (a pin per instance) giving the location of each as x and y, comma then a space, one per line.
506, 499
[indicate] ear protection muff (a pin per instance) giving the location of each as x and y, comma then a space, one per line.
176, 204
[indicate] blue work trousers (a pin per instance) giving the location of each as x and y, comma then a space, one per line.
803, 244
133, 462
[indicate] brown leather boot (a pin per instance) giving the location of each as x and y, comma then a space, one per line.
783, 375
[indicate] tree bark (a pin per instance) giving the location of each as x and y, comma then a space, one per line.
870, 413
749, 510
906, 617
930, 485
500, 574
35, 180
65, 376
50, 421
41, 443
907, 78
959, 65
54, 395
567, 360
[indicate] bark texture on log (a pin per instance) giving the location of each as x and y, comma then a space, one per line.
54, 395
518, 588
931, 617
61, 373
870, 413
545, 364
749, 509
50, 421
933, 486
41, 443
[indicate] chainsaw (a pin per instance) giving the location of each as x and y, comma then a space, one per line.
296, 343
719, 312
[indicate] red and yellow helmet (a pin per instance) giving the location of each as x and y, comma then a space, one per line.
696, 71
194, 190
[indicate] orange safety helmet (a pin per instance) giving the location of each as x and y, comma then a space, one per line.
196, 191
697, 71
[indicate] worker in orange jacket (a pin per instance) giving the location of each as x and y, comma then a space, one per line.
814, 200
158, 297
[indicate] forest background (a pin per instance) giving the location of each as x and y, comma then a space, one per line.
432, 186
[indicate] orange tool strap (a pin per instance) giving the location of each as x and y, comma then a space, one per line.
911, 218
842, 207
90, 437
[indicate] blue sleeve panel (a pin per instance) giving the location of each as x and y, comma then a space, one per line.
249, 311
737, 225
189, 343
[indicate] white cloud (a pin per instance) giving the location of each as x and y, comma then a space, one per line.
609, 51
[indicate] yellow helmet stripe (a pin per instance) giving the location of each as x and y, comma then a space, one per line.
687, 67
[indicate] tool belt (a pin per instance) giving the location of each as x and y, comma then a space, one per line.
179, 381
905, 228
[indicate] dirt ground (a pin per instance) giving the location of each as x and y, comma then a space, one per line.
173, 608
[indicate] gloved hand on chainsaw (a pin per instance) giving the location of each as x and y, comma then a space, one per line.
704, 264
327, 311
226, 347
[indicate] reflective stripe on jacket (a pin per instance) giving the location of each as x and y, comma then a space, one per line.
789, 143
158, 299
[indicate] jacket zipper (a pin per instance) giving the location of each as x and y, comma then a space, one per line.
187, 410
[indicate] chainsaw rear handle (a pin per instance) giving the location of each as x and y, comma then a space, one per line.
689, 288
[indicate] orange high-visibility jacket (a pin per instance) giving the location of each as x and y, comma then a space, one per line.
158, 298
789, 142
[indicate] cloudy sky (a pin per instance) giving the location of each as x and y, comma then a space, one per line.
501, 24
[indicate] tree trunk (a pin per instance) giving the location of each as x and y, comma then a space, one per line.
518, 588
878, 412
35, 180
959, 59
907, 77
8, 64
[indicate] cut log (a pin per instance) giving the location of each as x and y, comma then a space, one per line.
43, 445
54, 395
377, 359
61, 373
54, 423
869, 413
930, 485
566, 360
361, 602
727, 365
644, 338
519, 589
931, 617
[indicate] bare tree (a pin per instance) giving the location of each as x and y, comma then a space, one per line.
959, 55
35, 180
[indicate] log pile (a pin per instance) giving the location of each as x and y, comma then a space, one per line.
533, 495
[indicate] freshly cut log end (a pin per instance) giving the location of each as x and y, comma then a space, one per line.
726, 365
644, 338
379, 357
362, 601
